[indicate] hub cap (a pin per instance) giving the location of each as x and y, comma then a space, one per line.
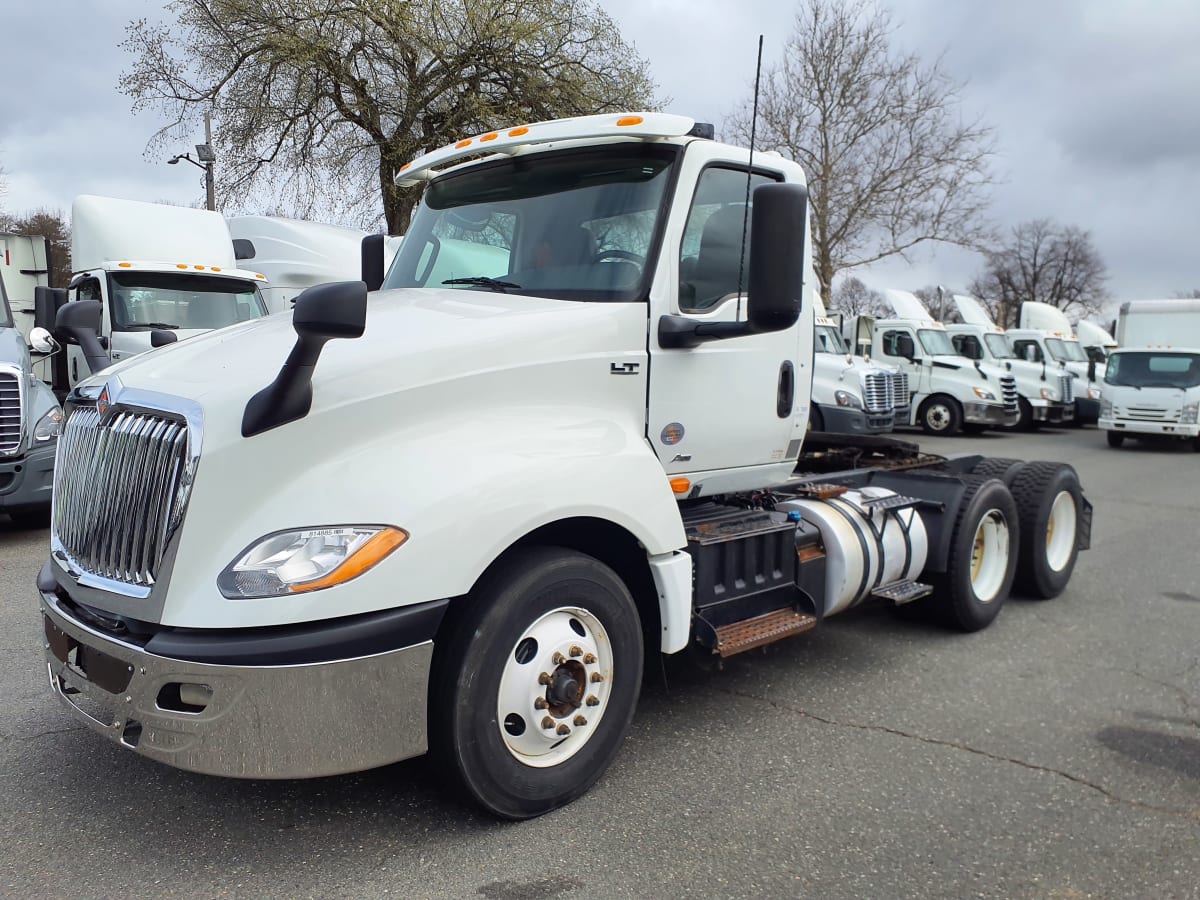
1060, 531
938, 417
555, 687
989, 556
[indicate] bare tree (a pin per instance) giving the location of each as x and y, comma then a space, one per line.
853, 298
891, 164
329, 99
939, 301
1047, 262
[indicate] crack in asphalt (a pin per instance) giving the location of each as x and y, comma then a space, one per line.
1192, 814
42, 734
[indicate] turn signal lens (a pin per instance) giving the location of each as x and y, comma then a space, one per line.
680, 485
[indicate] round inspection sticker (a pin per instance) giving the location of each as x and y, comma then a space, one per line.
672, 434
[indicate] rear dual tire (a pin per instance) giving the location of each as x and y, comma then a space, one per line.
1050, 503
983, 556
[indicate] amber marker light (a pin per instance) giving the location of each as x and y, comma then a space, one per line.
680, 485
517, 132
626, 121
465, 142
371, 553
490, 136
124, 265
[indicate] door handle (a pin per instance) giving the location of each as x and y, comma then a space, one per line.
787, 389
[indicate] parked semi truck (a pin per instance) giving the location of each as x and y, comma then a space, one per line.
949, 393
849, 394
1046, 334
1044, 390
30, 418
1152, 379
454, 514
161, 273
1096, 342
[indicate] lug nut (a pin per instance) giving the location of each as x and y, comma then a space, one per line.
559, 659
564, 728
576, 650
580, 720
544, 678
547, 722
540, 703
593, 700
597, 677
589, 658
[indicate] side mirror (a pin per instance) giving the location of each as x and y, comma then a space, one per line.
42, 341
372, 261
777, 256
1031, 352
79, 323
905, 346
46, 303
160, 337
1091, 370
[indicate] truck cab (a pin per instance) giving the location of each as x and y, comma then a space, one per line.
161, 274
1046, 334
1045, 394
1152, 379
948, 392
849, 394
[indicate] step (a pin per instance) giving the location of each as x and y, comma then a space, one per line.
904, 591
737, 637
894, 501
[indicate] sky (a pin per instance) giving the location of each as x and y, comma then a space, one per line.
1093, 104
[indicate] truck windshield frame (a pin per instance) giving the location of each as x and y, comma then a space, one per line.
999, 346
935, 342
1149, 369
827, 340
143, 301
575, 224
1061, 349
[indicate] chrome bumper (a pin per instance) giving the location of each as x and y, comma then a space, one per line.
989, 414
287, 721
1052, 412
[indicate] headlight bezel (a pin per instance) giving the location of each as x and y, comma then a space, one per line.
847, 400
48, 427
1190, 414
984, 394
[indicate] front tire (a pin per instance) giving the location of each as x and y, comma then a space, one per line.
531, 696
940, 415
983, 556
1050, 508
1114, 438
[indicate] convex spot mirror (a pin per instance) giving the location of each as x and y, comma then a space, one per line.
42, 341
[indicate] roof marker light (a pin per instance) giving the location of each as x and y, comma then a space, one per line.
181, 265
124, 265
517, 132
465, 142
626, 121
490, 136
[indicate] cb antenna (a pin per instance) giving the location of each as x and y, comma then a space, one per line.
749, 175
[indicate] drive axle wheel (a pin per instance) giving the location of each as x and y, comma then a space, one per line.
940, 415
1050, 504
533, 691
983, 555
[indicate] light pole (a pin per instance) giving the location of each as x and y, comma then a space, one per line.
206, 157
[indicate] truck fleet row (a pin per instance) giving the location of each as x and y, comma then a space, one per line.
457, 513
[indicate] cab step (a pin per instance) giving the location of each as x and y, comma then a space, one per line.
738, 637
893, 501
904, 591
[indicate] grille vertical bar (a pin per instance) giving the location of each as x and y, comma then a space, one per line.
11, 412
878, 395
1008, 392
120, 488
1068, 388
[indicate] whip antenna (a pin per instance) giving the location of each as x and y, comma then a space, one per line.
749, 175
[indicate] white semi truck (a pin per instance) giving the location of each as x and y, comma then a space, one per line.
1097, 343
948, 393
1046, 334
1045, 392
1152, 379
161, 273
453, 514
849, 394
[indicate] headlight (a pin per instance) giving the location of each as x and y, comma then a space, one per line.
48, 426
845, 398
983, 393
1093, 393
1190, 412
307, 559
1105, 409
1048, 394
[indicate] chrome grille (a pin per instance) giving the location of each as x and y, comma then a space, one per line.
1008, 392
120, 488
10, 412
877, 392
1068, 388
900, 389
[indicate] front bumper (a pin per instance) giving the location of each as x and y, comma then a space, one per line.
28, 482
260, 721
1137, 426
1052, 412
1087, 410
841, 420
989, 414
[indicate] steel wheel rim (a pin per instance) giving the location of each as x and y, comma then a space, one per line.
543, 720
1060, 531
989, 556
938, 417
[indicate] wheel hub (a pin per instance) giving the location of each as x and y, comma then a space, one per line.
565, 693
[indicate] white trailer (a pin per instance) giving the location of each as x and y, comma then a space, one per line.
453, 514
1152, 379
24, 265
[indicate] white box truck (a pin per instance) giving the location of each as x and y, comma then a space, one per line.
1045, 393
1152, 379
454, 514
161, 273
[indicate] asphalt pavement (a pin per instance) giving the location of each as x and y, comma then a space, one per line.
1055, 754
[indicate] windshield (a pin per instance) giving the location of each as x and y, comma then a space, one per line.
1000, 347
828, 340
6, 319
577, 224
1147, 369
936, 343
1065, 351
147, 300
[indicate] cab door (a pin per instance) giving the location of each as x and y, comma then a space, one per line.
727, 404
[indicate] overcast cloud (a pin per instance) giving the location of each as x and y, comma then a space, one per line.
1093, 102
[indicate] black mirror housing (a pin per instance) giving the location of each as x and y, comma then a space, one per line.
79, 323
372, 261
160, 337
46, 304
777, 267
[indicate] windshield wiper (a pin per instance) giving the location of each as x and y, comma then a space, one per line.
494, 283
152, 325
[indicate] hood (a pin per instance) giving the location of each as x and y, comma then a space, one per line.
13, 349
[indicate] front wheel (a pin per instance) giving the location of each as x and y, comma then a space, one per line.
1115, 438
941, 415
534, 691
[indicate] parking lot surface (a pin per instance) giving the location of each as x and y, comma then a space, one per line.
1055, 754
